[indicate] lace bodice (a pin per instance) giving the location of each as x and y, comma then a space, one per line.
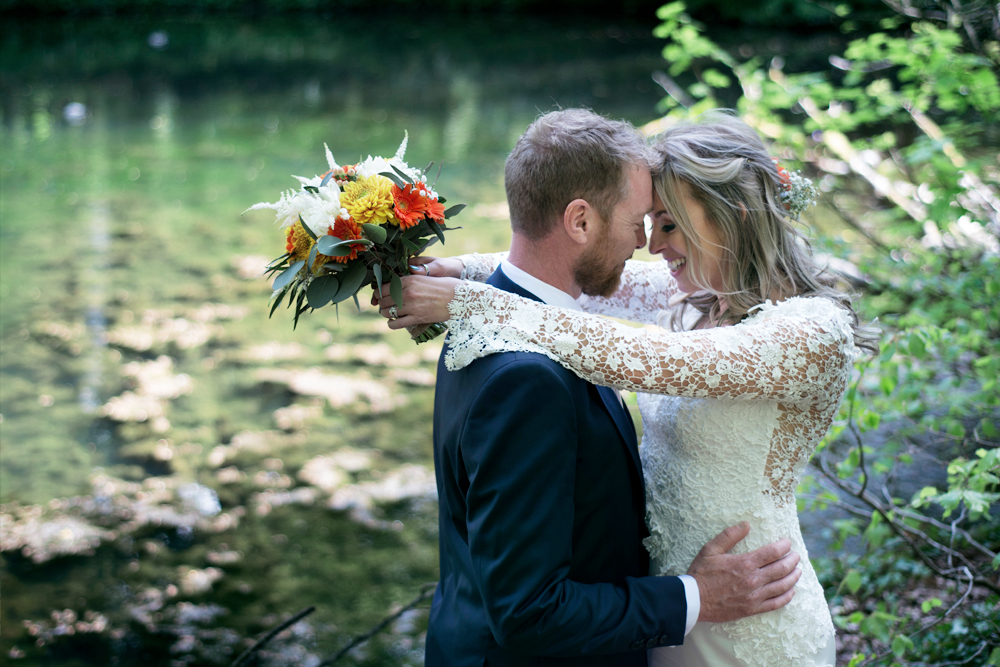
646, 288
731, 415
797, 353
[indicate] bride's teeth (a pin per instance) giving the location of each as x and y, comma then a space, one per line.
675, 264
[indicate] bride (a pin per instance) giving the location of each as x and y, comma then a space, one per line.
736, 388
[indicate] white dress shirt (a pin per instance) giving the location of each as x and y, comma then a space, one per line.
554, 296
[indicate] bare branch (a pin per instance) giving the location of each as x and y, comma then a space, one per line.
245, 656
426, 591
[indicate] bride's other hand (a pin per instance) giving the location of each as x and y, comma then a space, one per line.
425, 301
734, 586
437, 267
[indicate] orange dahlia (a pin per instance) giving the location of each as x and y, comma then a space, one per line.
346, 230
409, 205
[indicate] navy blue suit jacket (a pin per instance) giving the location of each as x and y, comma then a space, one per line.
541, 521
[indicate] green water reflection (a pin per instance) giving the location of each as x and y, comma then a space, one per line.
128, 151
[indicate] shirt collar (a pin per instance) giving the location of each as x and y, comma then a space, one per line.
544, 291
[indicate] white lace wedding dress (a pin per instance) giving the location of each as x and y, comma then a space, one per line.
731, 416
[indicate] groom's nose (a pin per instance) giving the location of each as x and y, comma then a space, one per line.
640, 237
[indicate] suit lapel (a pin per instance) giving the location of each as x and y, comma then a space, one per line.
619, 415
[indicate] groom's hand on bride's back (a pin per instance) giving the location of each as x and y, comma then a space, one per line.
732, 586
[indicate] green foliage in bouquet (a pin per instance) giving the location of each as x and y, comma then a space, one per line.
897, 134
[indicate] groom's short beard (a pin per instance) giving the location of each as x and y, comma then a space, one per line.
596, 272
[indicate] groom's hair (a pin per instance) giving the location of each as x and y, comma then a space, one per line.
566, 155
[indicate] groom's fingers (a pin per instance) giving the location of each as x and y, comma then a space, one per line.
778, 593
726, 540
771, 552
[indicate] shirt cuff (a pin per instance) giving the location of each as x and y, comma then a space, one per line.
693, 597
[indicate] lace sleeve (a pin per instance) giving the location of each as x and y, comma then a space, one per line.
479, 267
645, 290
799, 350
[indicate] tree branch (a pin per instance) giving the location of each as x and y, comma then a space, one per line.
245, 656
426, 591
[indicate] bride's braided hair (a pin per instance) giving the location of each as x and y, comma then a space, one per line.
729, 172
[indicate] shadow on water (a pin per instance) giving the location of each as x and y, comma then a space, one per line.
168, 491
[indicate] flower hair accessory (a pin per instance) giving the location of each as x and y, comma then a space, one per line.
799, 192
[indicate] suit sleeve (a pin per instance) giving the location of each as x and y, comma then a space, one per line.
519, 447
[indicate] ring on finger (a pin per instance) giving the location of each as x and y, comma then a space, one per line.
393, 313
427, 271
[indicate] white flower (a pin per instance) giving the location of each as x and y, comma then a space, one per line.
318, 210
379, 165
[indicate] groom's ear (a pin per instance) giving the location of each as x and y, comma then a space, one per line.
580, 221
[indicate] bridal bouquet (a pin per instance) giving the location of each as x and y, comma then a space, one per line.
353, 226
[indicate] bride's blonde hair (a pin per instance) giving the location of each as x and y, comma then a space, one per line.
727, 169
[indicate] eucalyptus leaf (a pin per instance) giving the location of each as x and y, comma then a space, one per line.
396, 290
356, 302
287, 275
322, 290
306, 227
411, 246
374, 232
436, 228
312, 255
395, 179
311, 188
453, 211
351, 281
377, 270
401, 174
277, 302
327, 243
326, 179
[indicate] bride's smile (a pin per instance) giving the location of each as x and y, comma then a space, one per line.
694, 269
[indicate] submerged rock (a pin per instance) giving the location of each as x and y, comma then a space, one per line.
338, 390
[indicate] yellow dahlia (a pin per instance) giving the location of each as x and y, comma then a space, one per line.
369, 200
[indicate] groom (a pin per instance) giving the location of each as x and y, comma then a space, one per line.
540, 486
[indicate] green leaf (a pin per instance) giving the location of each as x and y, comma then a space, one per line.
322, 290
869, 420
306, 227
900, 645
395, 179
377, 270
356, 302
916, 345
402, 174
887, 352
331, 246
994, 660
311, 188
351, 281
453, 211
326, 179
396, 290
410, 246
375, 233
932, 603
277, 302
287, 275
852, 580
436, 228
